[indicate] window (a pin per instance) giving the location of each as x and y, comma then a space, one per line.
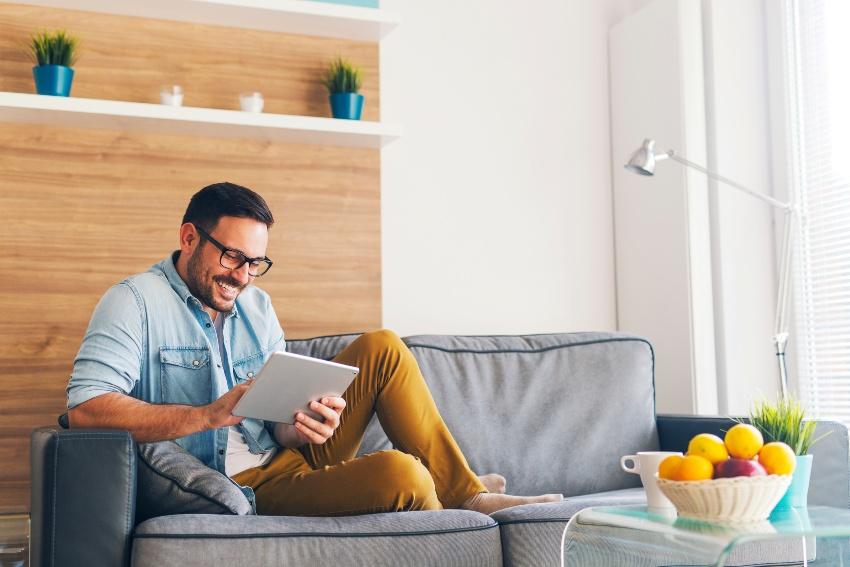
819, 87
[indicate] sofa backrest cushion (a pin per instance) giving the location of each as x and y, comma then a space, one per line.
171, 480
321, 347
552, 413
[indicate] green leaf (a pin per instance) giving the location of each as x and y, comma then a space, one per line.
784, 421
53, 48
342, 77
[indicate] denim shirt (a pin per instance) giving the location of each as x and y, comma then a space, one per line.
150, 338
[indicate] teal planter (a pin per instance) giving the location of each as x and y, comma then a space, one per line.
348, 106
53, 80
798, 493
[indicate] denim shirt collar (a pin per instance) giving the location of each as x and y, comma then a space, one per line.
169, 268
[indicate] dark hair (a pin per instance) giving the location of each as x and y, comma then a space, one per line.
226, 199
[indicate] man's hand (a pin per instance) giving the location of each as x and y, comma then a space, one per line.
218, 414
318, 432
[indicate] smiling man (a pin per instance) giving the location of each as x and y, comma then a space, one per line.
169, 352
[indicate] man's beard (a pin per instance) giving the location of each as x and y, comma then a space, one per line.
204, 288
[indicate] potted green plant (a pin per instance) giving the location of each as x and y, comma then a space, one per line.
54, 53
785, 421
343, 81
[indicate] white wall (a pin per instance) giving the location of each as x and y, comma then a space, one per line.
496, 202
743, 239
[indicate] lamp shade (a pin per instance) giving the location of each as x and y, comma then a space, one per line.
643, 160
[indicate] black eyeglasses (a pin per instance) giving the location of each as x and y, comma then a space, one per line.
234, 259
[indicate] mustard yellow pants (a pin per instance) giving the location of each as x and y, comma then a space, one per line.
428, 472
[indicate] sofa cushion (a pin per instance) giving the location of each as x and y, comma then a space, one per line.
446, 537
552, 413
321, 347
531, 534
173, 481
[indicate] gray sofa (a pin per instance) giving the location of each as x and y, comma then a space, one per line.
552, 413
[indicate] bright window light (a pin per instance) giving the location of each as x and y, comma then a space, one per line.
819, 85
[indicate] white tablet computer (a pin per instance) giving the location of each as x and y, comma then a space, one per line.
287, 384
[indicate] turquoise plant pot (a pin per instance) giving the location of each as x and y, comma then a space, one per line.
797, 494
54, 80
346, 105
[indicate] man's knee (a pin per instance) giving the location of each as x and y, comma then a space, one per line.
382, 340
407, 482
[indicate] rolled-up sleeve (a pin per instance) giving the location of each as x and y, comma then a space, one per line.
110, 357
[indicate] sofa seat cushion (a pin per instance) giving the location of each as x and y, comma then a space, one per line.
446, 537
531, 534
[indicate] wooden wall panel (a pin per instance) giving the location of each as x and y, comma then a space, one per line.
82, 209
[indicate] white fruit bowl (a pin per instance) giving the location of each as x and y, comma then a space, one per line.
736, 499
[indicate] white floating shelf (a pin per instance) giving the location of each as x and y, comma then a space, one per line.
207, 122
286, 16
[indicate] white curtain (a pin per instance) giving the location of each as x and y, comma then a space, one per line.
818, 56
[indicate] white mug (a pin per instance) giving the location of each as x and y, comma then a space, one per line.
645, 463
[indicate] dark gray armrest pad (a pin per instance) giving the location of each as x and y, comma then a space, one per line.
674, 431
83, 497
830, 484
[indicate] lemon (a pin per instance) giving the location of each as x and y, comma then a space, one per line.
709, 446
667, 468
744, 441
777, 458
694, 467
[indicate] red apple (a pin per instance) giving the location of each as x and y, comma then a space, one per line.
738, 467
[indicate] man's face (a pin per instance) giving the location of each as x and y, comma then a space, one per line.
216, 286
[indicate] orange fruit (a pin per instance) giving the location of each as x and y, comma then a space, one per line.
667, 468
777, 458
744, 441
709, 446
694, 467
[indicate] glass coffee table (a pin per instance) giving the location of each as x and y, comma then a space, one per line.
634, 537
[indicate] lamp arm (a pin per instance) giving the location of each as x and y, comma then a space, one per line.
770, 200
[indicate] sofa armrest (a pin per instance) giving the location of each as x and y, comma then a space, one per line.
830, 483
83, 497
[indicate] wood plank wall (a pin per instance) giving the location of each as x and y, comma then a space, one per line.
82, 209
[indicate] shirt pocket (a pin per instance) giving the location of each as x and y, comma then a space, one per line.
185, 375
248, 367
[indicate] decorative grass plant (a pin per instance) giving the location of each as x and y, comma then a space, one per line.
54, 48
342, 77
784, 421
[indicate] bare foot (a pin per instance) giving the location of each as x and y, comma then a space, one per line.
494, 483
487, 503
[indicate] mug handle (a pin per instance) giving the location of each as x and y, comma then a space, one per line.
635, 468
